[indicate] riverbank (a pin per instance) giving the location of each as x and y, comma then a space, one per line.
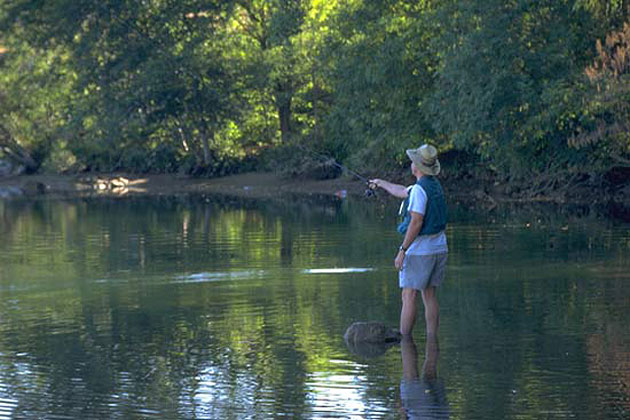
256, 185
265, 185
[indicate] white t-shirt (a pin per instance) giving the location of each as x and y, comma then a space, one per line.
425, 244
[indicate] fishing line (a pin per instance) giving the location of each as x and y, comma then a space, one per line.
369, 192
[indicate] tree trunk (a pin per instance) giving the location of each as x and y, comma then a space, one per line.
284, 115
207, 157
16, 152
315, 97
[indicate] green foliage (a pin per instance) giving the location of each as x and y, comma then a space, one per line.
188, 86
503, 66
604, 129
380, 73
609, 14
34, 86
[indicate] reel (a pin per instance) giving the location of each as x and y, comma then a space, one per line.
370, 190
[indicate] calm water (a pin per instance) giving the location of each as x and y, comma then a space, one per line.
226, 309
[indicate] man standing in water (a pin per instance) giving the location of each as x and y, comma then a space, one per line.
421, 258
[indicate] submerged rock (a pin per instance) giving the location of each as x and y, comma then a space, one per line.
371, 332
370, 339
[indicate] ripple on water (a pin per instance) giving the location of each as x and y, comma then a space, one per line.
342, 393
250, 306
218, 393
7, 407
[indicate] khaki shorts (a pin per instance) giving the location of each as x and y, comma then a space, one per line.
421, 271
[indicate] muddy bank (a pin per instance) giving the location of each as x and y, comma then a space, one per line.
243, 185
266, 185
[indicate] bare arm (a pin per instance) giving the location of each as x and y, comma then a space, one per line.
396, 190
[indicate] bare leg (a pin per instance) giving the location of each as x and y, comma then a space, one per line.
408, 312
431, 310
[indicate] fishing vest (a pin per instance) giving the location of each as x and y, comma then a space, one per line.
434, 219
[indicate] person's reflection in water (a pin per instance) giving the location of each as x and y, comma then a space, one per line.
422, 397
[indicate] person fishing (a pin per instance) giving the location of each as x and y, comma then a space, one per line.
421, 258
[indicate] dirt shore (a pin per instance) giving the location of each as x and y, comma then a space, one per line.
242, 185
261, 185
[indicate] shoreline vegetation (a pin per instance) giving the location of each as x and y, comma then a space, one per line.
525, 101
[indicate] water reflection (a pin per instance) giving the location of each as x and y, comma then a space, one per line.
216, 308
423, 396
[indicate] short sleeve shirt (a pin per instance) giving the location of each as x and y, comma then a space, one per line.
424, 244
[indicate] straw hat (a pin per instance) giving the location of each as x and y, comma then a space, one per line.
425, 159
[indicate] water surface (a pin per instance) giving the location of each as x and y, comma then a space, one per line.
218, 308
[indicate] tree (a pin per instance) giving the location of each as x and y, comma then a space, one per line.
606, 110
379, 67
34, 86
271, 24
142, 69
501, 90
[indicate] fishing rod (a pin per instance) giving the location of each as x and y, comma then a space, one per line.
369, 192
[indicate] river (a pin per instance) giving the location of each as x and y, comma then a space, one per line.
223, 308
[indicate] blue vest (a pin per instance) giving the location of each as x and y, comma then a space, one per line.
434, 219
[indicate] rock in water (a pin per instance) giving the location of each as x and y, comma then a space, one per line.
371, 332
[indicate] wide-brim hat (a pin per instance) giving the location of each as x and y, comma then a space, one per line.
425, 158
